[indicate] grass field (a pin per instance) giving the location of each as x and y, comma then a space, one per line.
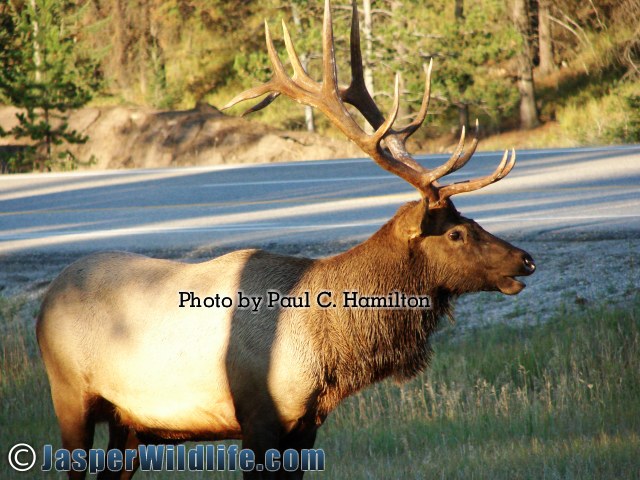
559, 400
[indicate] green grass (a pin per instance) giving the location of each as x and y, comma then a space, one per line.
559, 400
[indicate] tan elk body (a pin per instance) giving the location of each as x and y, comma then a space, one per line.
118, 347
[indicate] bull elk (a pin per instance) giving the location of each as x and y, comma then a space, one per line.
118, 347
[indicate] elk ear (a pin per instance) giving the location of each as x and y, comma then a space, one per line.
412, 224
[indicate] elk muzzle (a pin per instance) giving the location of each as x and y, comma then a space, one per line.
524, 266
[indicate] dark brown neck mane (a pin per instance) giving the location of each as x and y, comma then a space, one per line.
365, 345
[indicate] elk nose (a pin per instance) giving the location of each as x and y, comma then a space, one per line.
527, 261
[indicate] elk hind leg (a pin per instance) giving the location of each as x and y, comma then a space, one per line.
122, 438
76, 421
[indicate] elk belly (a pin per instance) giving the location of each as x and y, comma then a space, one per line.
171, 376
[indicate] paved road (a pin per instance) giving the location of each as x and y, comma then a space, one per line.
567, 192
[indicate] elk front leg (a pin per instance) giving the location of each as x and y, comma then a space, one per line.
260, 435
297, 440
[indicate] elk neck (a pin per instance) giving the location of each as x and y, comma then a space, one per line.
364, 345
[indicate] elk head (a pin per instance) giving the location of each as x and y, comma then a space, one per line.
466, 257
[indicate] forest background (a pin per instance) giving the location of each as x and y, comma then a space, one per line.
550, 73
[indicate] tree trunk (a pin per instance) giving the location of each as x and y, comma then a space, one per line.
463, 108
143, 50
404, 112
119, 60
459, 10
37, 58
37, 63
463, 116
368, 53
528, 112
545, 39
308, 110
48, 141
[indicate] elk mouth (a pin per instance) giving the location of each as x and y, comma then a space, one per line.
509, 285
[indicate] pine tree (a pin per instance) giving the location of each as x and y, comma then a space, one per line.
470, 44
42, 74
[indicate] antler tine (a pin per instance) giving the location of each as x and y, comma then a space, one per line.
326, 96
329, 67
278, 84
265, 102
457, 161
462, 160
469, 186
254, 92
298, 70
281, 78
357, 71
356, 93
410, 129
388, 123
431, 176
303, 89
509, 166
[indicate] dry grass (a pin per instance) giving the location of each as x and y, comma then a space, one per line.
547, 135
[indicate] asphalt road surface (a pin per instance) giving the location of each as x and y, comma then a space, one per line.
586, 192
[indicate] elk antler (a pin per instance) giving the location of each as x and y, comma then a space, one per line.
328, 97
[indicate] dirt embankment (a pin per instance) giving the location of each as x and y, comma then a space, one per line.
134, 137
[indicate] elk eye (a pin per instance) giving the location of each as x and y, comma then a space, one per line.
455, 235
